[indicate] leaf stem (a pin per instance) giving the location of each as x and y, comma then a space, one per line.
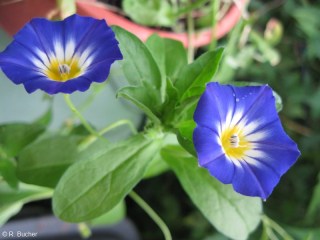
79, 115
118, 124
152, 214
190, 29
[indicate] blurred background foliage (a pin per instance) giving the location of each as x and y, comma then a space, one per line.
277, 44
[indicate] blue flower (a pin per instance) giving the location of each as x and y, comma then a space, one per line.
60, 56
240, 140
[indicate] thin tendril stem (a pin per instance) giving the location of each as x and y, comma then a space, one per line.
79, 115
152, 214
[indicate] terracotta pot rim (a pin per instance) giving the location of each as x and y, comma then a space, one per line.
200, 38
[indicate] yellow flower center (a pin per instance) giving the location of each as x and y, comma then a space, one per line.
62, 71
234, 143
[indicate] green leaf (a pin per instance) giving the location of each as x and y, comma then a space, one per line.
46, 118
158, 166
93, 186
176, 57
142, 73
197, 74
149, 13
163, 50
8, 172
141, 99
14, 137
114, 216
219, 203
43, 162
185, 135
12, 200
138, 64
156, 46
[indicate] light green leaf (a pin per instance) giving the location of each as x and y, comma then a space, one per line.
149, 13
114, 216
232, 214
197, 74
43, 162
12, 200
14, 137
93, 186
9, 211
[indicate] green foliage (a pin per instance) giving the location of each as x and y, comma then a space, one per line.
141, 72
15, 136
114, 216
12, 200
38, 167
217, 202
103, 179
150, 13
8, 172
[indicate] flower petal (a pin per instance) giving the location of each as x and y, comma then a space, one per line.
206, 144
254, 180
85, 45
249, 147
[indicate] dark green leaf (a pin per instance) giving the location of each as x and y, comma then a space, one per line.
8, 172
43, 162
138, 64
146, 85
155, 44
197, 74
94, 185
141, 99
185, 135
219, 203
176, 58
14, 137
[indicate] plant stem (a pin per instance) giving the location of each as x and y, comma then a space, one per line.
152, 214
273, 225
215, 10
84, 230
118, 124
79, 115
190, 27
